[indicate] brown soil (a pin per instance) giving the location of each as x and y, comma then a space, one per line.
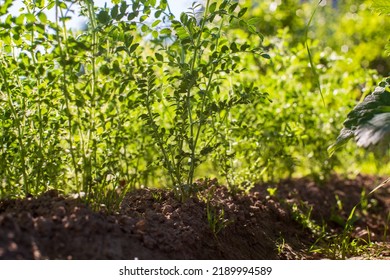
152, 224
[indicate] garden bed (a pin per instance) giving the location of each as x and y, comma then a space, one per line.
292, 219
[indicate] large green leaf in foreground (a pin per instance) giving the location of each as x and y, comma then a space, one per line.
369, 122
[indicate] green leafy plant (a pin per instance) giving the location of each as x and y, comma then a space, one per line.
343, 245
135, 95
304, 218
138, 97
381, 6
215, 215
216, 219
368, 122
67, 121
193, 89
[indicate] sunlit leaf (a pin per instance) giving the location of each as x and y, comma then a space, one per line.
212, 7
242, 12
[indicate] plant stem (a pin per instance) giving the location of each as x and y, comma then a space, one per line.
90, 153
192, 141
40, 130
19, 126
66, 94
160, 141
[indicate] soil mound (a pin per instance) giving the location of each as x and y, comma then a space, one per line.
215, 224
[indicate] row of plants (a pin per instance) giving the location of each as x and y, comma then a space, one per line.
136, 95
142, 98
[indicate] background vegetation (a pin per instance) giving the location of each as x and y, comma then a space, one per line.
140, 97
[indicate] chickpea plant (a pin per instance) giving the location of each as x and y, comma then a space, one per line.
189, 77
135, 94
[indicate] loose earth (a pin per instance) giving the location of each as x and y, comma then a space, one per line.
292, 219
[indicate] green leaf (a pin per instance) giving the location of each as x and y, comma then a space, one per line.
233, 7
166, 31
128, 40
184, 18
51, 5
374, 131
120, 48
42, 17
342, 139
254, 21
143, 18
223, 5
132, 15
266, 55
114, 11
30, 18
244, 47
181, 32
133, 47
158, 13
103, 17
212, 7
252, 29
61, 4
5, 6
144, 28
20, 19
224, 49
123, 7
242, 12
156, 22
368, 122
159, 57
233, 47
104, 70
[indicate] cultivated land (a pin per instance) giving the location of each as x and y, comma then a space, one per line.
245, 91
300, 220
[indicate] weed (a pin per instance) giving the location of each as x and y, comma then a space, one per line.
216, 218
386, 227
304, 218
272, 191
331, 245
157, 196
215, 215
280, 245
